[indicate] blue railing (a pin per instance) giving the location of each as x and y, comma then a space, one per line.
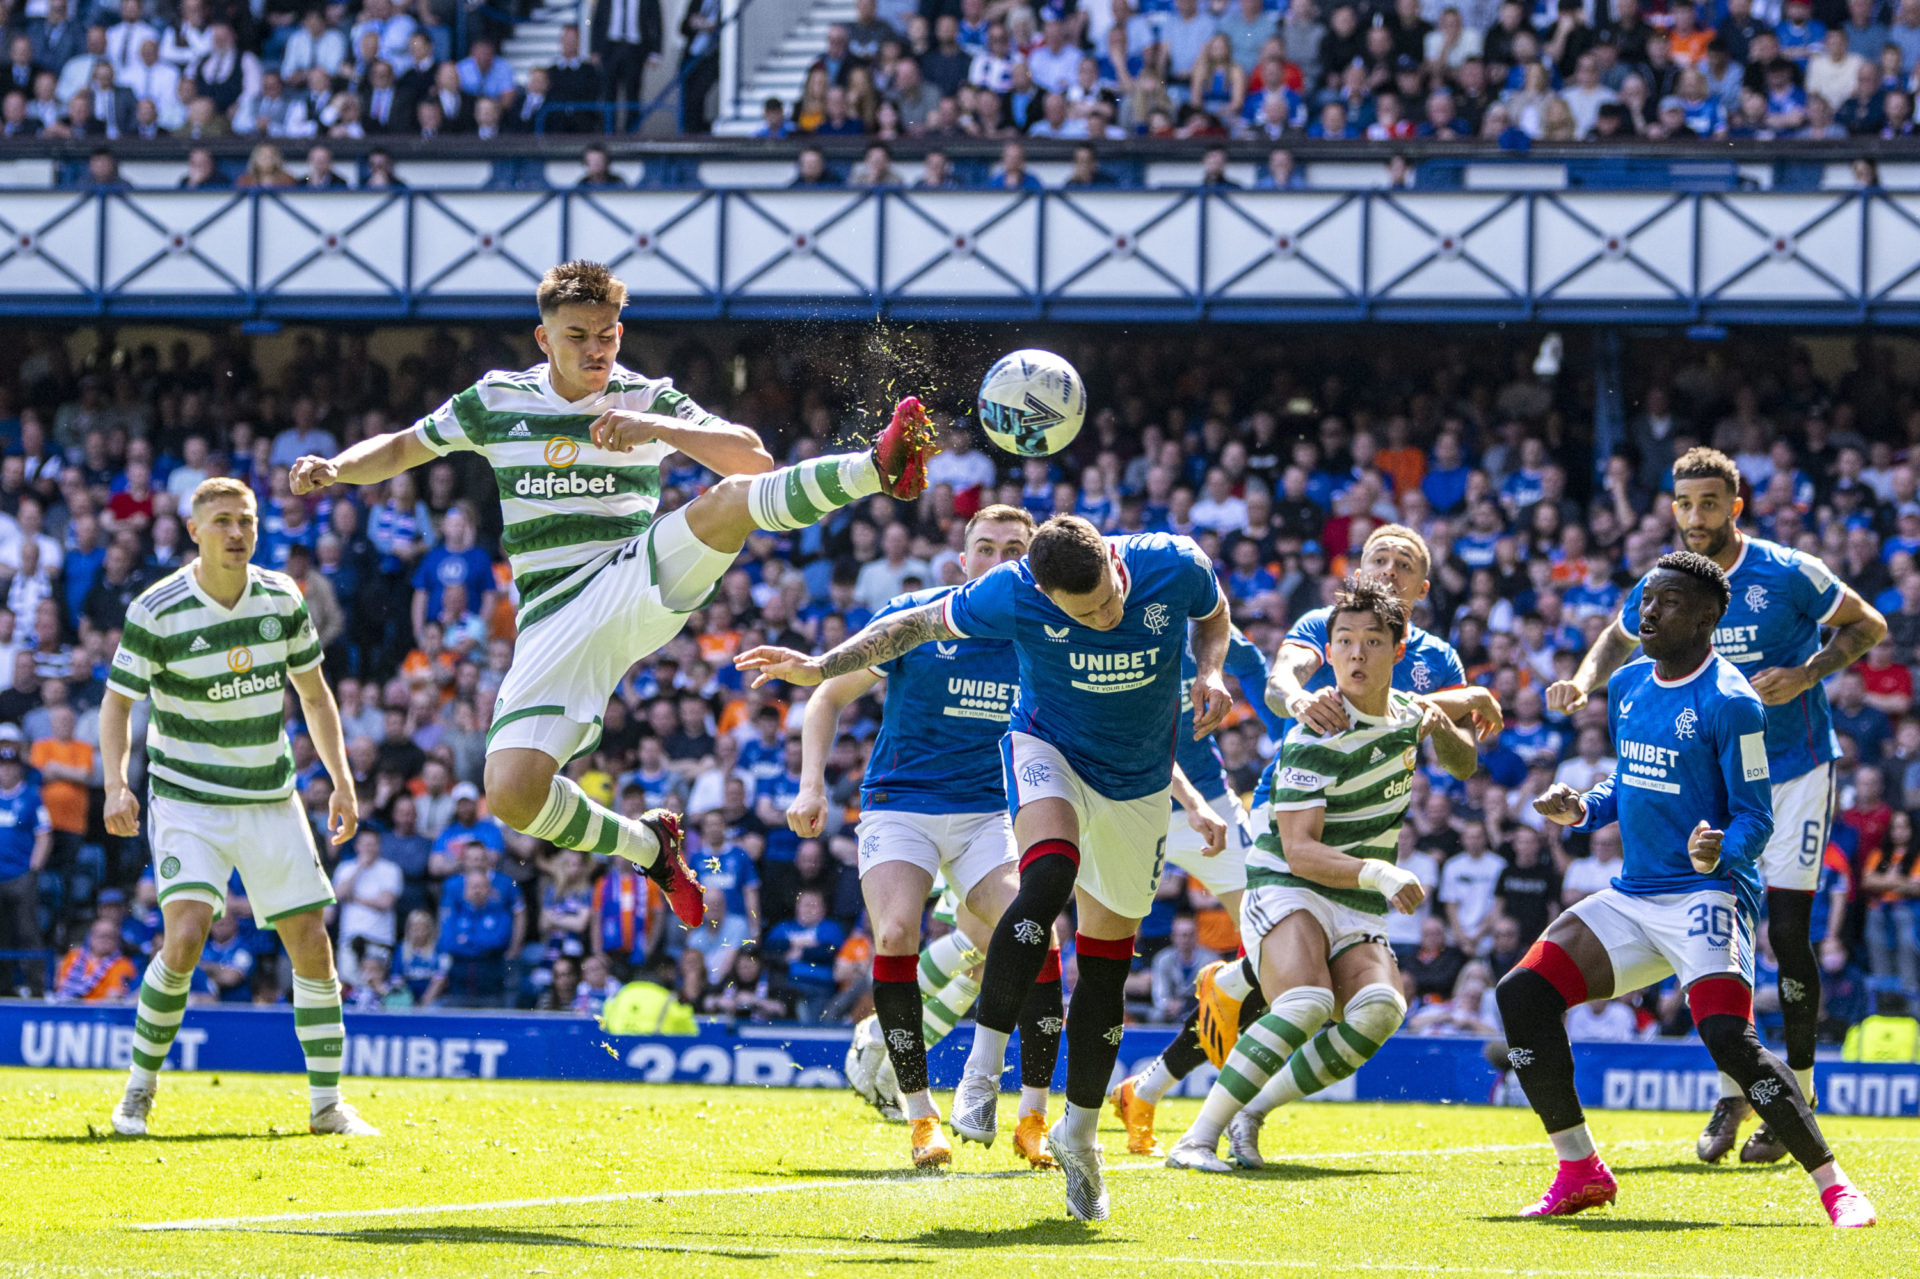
1183, 254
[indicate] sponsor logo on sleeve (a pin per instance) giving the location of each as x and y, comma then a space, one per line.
1298, 779
1753, 756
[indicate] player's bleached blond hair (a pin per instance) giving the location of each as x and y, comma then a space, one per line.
1400, 532
212, 490
579, 283
1001, 513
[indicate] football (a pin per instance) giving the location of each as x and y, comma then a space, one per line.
1032, 403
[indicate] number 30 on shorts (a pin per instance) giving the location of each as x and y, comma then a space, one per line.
1712, 921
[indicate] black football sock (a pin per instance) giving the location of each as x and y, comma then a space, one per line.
1041, 1021
1768, 1084
1534, 1014
1097, 1019
896, 1002
1789, 928
1024, 935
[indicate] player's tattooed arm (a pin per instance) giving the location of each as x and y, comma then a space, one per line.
881, 641
1608, 654
1858, 626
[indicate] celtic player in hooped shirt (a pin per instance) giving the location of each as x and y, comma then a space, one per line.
576, 445
1320, 883
1097, 625
1695, 807
215, 646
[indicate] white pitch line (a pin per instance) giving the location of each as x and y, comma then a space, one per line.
844, 1183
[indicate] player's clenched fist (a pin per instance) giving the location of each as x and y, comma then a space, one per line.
1402, 888
1565, 697
769, 662
618, 431
1321, 711
122, 813
1561, 803
1211, 702
1211, 827
807, 815
310, 473
1703, 848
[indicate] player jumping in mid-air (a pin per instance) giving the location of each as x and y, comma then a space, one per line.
932, 801
1098, 625
1319, 884
1301, 686
576, 446
215, 645
1781, 598
1691, 794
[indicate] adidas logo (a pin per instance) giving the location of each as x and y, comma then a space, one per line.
1377, 756
199, 644
520, 431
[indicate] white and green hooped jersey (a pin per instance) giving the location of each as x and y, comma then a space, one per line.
218, 680
566, 506
1362, 777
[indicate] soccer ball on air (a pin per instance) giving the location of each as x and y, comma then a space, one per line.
1032, 403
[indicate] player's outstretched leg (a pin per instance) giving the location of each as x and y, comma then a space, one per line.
1041, 1021
1790, 929
1015, 957
566, 817
1534, 998
1257, 1057
1722, 1008
1372, 1014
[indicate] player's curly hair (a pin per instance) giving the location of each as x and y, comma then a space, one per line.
579, 283
1707, 464
1704, 571
1067, 555
1370, 593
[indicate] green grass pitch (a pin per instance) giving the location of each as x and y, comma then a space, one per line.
480, 1179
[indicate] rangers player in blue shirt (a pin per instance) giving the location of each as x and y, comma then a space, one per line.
933, 802
1780, 598
1695, 808
1098, 625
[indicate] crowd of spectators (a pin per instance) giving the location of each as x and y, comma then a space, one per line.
1513, 72
202, 70
1277, 458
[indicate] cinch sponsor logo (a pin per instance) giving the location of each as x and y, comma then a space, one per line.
245, 686
563, 485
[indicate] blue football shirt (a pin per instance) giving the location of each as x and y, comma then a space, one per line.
1689, 750
1107, 700
1428, 665
1201, 760
1781, 598
947, 703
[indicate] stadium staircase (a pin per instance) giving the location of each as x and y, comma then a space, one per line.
535, 41
778, 72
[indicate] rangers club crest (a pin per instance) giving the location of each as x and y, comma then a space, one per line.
1684, 722
1029, 933
1036, 773
1051, 1025
1422, 675
1157, 619
1757, 598
901, 1040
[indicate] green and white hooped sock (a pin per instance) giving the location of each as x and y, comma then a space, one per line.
163, 1002
1261, 1054
793, 497
571, 820
1372, 1015
323, 1037
947, 992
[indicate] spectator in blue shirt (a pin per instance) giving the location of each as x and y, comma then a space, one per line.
26, 840
764, 756
1012, 175
802, 951
720, 863
483, 74
227, 962
1445, 484
419, 961
456, 559
482, 921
